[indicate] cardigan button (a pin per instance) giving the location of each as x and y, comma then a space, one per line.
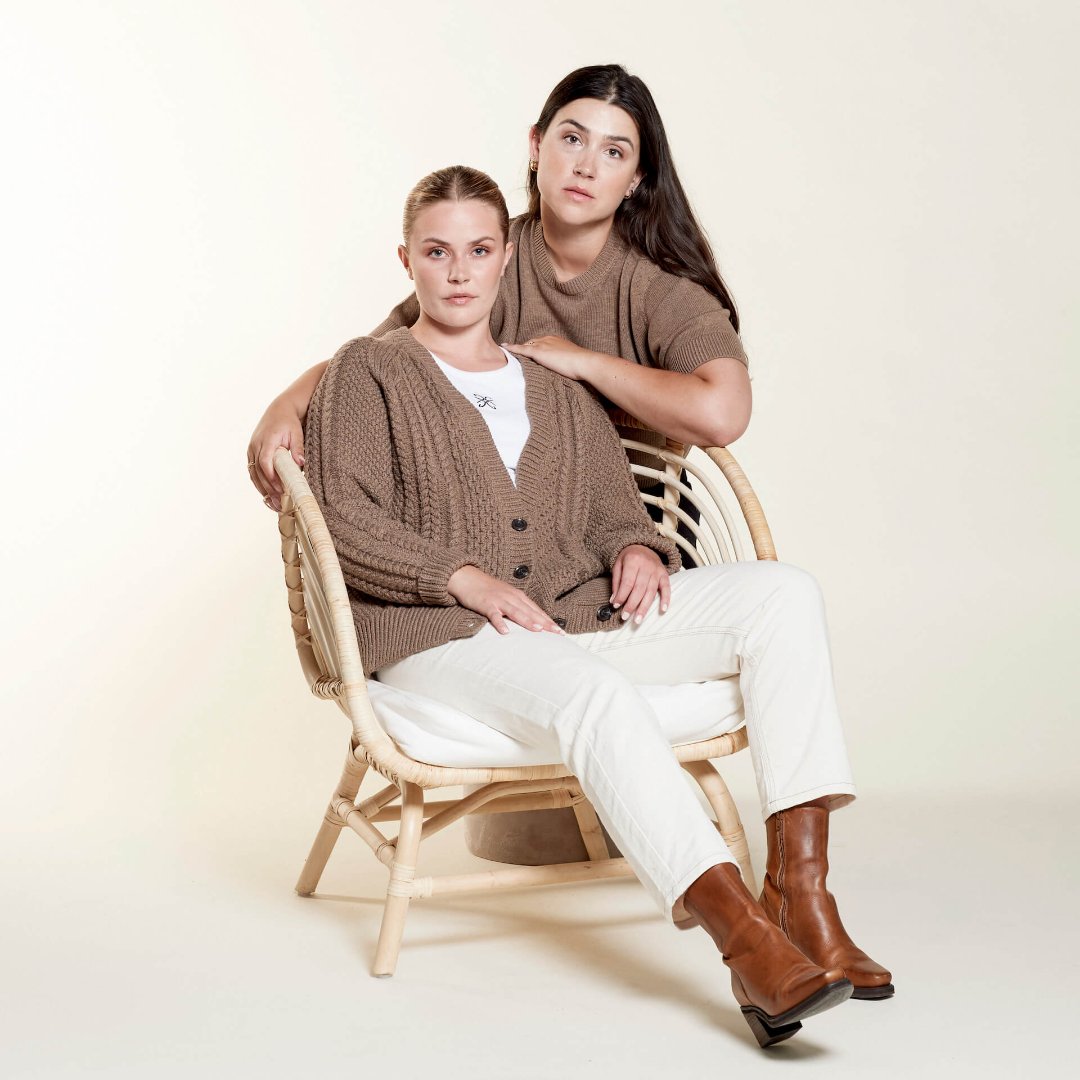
519, 524
560, 623
521, 572
604, 612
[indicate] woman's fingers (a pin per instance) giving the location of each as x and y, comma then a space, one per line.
254, 472
498, 601
265, 467
531, 616
627, 580
265, 443
520, 609
637, 579
616, 582
627, 568
640, 598
665, 591
632, 571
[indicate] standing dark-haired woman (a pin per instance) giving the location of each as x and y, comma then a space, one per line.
612, 283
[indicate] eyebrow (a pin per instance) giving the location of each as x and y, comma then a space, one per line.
610, 138
446, 243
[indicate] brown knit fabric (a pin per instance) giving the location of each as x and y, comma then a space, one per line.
412, 488
623, 305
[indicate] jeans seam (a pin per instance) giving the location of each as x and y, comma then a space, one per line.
674, 635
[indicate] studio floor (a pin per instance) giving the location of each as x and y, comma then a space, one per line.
172, 952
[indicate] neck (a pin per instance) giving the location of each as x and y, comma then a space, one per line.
572, 249
471, 348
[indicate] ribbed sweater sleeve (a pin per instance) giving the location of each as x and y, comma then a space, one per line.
350, 467
687, 325
617, 517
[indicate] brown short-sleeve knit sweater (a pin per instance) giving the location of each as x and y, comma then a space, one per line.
412, 488
623, 305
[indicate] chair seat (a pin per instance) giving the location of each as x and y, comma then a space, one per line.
438, 734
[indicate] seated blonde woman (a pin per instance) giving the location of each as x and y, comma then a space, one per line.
501, 561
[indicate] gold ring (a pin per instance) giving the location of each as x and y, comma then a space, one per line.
251, 464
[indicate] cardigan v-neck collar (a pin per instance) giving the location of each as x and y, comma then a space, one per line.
483, 444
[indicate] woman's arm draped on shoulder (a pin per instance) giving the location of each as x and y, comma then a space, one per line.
617, 517
689, 332
698, 393
281, 425
283, 422
351, 472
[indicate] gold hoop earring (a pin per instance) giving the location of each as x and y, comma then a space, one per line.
534, 165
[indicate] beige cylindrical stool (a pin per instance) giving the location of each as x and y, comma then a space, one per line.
530, 837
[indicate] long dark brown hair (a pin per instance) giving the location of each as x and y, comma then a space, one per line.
657, 221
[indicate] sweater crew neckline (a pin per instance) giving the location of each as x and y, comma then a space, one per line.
583, 283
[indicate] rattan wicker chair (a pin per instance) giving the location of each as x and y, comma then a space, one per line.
322, 623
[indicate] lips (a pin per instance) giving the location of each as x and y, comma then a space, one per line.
459, 298
576, 192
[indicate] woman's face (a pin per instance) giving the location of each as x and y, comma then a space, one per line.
587, 161
455, 255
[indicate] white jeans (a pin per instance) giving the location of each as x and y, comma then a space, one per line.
764, 621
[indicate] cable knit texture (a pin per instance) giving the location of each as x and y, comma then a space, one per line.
623, 305
412, 488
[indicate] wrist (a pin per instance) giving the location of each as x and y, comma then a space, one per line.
589, 366
459, 580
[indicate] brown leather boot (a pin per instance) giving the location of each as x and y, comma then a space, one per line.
795, 898
776, 986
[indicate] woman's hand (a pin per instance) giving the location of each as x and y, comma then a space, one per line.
497, 601
280, 426
556, 353
637, 576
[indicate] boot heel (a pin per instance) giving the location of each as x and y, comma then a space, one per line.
765, 1033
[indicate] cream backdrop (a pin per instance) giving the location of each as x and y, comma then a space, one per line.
201, 199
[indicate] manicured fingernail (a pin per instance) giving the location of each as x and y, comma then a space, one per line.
625, 615
614, 605
663, 608
638, 619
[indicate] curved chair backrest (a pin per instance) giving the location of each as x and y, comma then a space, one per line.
321, 613
719, 529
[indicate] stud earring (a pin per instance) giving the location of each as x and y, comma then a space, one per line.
534, 165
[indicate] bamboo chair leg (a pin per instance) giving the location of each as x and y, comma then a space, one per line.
399, 890
727, 815
330, 829
591, 833
325, 839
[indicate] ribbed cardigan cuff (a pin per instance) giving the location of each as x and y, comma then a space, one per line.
434, 577
690, 356
666, 549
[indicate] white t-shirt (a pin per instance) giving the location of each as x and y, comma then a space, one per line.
499, 396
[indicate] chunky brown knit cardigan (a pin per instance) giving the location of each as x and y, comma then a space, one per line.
412, 488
